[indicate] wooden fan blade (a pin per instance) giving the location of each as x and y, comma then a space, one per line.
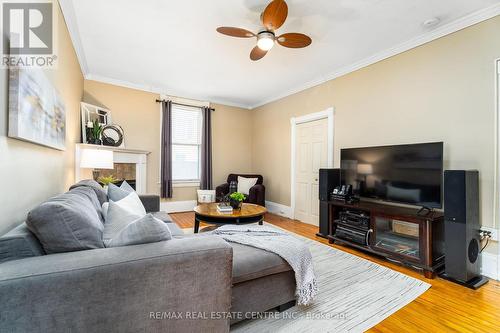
275, 14
257, 53
294, 40
235, 32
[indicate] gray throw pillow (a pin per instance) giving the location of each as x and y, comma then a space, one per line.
116, 193
146, 229
99, 191
68, 222
126, 186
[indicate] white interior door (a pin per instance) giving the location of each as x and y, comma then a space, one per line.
311, 154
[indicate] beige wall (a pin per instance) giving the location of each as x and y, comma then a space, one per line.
139, 115
32, 173
441, 91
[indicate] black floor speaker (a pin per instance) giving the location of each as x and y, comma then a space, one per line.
328, 180
462, 226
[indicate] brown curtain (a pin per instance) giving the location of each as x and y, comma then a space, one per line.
206, 150
166, 149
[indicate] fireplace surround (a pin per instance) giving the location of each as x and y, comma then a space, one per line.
129, 164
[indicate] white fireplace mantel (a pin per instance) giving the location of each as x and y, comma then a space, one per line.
120, 155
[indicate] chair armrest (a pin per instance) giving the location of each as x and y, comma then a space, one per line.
151, 202
257, 195
120, 289
221, 191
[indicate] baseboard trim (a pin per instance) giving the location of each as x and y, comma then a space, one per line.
177, 206
490, 265
279, 209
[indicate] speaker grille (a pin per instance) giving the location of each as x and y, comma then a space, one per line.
473, 250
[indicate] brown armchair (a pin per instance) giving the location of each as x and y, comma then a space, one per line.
256, 195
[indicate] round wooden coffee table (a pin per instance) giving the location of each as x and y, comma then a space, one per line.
208, 213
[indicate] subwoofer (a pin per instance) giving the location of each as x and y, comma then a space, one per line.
328, 180
462, 227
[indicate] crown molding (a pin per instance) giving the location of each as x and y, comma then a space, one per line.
441, 31
160, 90
69, 16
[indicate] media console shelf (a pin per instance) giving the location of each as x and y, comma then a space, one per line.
397, 233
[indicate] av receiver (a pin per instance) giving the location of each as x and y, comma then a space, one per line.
354, 219
353, 226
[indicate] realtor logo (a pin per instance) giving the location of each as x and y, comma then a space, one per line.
28, 28
29, 37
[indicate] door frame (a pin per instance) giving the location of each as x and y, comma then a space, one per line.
496, 194
294, 121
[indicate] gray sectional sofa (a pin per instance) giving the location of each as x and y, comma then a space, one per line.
186, 284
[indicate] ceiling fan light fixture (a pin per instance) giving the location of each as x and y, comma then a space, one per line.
265, 40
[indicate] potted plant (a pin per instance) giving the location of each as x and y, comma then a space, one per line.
235, 199
95, 133
106, 180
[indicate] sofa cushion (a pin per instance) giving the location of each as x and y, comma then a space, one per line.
163, 216
102, 196
175, 230
117, 218
145, 229
68, 222
251, 263
19, 243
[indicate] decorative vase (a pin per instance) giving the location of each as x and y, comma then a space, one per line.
95, 141
235, 204
233, 186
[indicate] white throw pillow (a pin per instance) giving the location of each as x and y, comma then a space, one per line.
244, 184
146, 229
132, 203
117, 218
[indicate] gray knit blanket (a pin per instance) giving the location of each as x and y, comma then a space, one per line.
291, 249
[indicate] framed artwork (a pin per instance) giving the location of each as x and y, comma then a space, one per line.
36, 111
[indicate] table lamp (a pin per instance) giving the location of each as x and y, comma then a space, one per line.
96, 159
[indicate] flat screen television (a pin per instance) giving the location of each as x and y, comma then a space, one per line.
408, 174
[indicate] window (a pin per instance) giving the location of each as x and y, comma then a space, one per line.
186, 143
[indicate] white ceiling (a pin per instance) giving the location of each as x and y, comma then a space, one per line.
172, 46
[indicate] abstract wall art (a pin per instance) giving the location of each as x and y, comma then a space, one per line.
36, 111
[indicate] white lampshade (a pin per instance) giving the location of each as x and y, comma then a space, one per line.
96, 159
365, 169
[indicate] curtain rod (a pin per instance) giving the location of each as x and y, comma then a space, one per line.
191, 106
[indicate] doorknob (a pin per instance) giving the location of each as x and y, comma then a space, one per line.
315, 179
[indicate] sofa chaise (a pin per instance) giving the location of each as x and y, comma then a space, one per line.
186, 284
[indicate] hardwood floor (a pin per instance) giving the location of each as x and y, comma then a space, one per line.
445, 307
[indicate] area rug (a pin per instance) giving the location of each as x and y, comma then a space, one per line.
355, 294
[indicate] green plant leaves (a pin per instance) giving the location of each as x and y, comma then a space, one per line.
237, 196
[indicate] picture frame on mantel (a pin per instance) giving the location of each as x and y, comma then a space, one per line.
91, 113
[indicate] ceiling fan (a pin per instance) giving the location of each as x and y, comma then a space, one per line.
272, 18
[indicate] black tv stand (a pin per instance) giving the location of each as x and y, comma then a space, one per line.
399, 234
